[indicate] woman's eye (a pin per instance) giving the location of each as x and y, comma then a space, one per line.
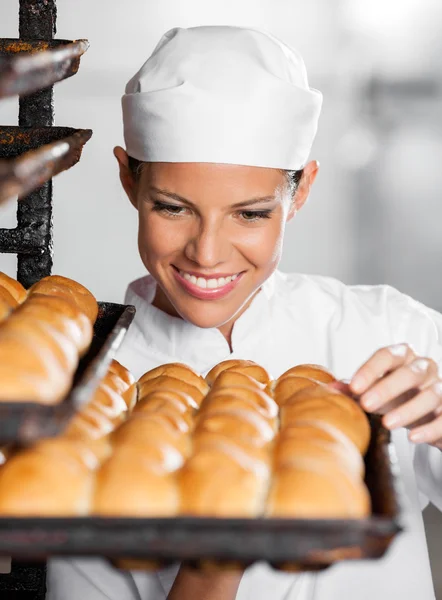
255, 215
168, 209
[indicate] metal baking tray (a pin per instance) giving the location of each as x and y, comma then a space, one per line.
284, 543
25, 422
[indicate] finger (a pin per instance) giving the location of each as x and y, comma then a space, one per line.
430, 433
425, 403
413, 375
382, 361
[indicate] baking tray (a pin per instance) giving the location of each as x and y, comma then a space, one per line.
25, 422
284, 543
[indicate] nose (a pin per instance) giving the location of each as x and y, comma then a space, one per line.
208, 246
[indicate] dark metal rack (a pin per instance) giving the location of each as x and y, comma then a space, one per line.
30, 155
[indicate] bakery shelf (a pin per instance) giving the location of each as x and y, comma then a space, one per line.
28, 66
284, 543
25, 422
38, 155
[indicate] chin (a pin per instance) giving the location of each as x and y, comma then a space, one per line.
206, 317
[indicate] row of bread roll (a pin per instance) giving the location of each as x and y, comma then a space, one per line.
43, 338
228, 473
318, 463
57, 476
139, 479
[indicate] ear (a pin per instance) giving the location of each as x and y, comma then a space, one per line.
126, 177
309, 174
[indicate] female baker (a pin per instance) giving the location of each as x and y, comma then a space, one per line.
218, 125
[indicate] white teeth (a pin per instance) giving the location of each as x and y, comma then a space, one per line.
211, 284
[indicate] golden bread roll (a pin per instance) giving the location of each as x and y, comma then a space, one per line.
67, 308
246, 425
56, 285
232, 400
28, 372
205, 439
44, 335
329, 406
159, 402
130, 396
42, 483
246, 367
186, 401
149, 428
5, 309
223, 483
178, 371
308, 442
315, 372
316, 489
284, 388
111, 404
235, 378
77, 452
115, 382
7, 297
17, 291
137, 564
118, 369
128, 485
261, 401
164, 382
89, 423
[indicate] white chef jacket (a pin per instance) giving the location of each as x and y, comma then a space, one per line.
293, 319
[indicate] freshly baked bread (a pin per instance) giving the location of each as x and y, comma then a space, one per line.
177, 371
317, 489
165, 382
7, 297
245, 367
56, 285
206, 439
315, 372
223, 482
129, 485
306, 440
41, 482
57, 305
160, 401
89, 423
233, 379
122, 372
187, 402
110, 403
327, 405
290, 385
246, 425
17, 291
5, 309
149, 428
240, 397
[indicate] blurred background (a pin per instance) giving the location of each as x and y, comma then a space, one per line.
375, 213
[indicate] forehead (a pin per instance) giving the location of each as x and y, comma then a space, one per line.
193, 180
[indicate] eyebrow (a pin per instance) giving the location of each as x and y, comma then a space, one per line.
178, 198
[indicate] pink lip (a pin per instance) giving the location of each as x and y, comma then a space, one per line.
206, 294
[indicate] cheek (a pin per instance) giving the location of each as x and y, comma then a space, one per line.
262, 246
159, 237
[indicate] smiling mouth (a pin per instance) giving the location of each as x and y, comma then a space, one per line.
211, 283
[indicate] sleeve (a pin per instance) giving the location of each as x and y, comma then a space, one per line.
421, 327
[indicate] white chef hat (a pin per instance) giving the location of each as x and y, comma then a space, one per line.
221, 94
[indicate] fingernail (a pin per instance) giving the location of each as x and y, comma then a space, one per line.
420, 365
370, 400
398, 349
417, 437
357, 384
392, 421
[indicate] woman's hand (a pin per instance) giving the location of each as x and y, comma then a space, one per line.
406, 389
